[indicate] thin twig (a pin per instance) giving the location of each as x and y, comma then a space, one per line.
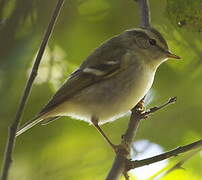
181, 162
13, 128
120, 162
144, 12
171, 100
169, 154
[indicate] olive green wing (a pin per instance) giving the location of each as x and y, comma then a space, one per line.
84, 77
106, 61
79, 80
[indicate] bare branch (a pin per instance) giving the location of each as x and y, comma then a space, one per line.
13, 128
169, 154
181, 162
171, 100
120, 162
144, 12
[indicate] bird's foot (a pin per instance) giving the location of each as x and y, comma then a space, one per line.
140, 107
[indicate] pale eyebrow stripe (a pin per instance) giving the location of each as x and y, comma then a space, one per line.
157, 34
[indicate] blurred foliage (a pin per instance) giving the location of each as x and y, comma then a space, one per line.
70, 149
186, 14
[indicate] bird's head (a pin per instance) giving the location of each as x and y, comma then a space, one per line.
149, 45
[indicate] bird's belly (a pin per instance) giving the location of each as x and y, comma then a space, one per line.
111, 98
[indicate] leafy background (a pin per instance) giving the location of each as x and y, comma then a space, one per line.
71, 149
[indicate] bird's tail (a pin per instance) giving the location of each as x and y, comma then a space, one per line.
28, 125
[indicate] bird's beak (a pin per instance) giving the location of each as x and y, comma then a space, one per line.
171, 55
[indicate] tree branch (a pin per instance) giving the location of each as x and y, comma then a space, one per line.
144, 12
181, 162
169, 154
13, 128
121, 162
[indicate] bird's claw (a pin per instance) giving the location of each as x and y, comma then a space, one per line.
140, 107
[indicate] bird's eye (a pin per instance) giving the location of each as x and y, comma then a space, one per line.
152, 42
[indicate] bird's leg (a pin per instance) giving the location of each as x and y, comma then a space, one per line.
95, 123
140, 105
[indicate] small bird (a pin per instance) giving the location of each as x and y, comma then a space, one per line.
110, 82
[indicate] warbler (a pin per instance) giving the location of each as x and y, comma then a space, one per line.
110, 82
